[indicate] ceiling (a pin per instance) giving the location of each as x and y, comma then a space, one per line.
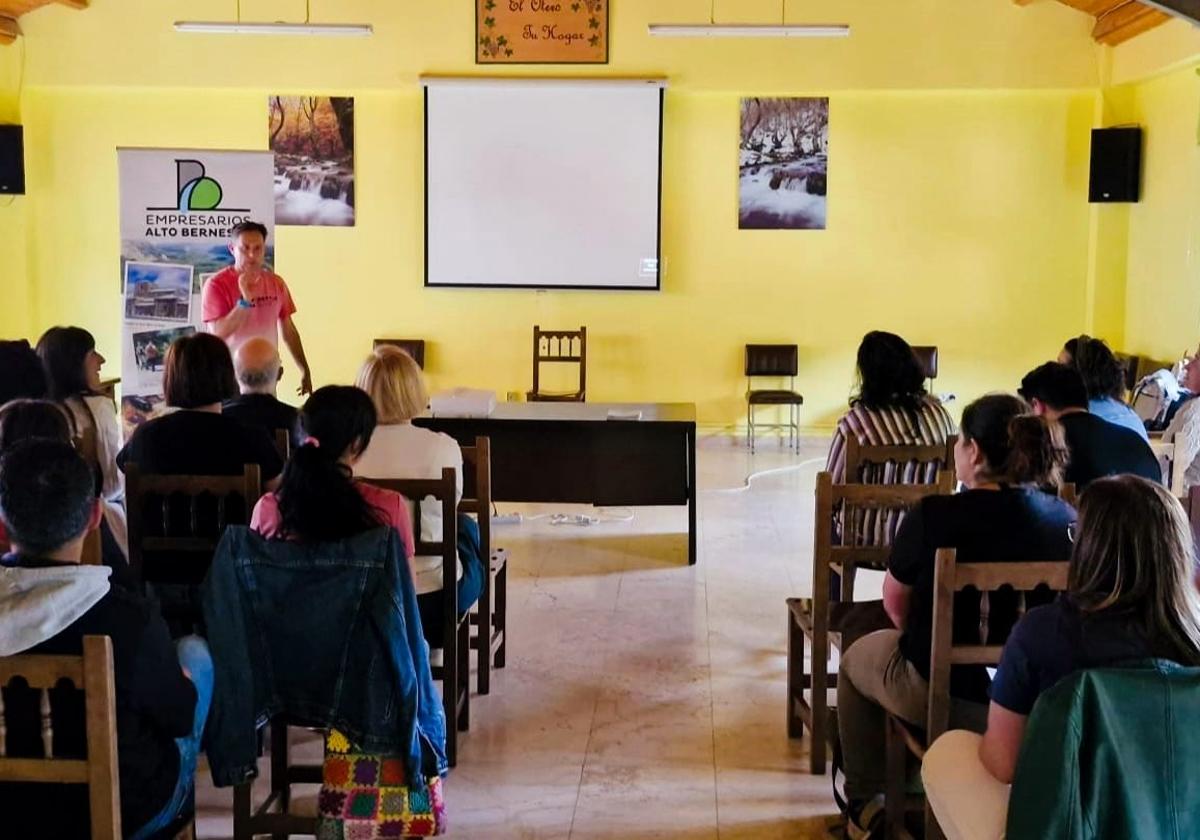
1116, 20
10, 10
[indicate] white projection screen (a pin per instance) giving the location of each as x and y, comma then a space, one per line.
543, 183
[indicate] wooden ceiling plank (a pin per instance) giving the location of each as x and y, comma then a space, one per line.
1127, 22
9, 30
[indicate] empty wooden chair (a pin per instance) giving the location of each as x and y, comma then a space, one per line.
456, 631
927, 356
189, 513
775, 361
92, 672
414, 347
817, 622
950, 581
559, 347
489, 615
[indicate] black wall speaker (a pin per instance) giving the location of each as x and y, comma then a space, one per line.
12, 160
1116, 165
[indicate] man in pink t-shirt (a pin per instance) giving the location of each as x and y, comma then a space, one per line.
248, 300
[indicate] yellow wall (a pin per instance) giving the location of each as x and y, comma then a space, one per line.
1163, 286
957, 215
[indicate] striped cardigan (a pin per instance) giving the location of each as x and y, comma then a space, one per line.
929, 425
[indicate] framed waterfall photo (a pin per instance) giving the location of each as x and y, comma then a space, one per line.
313, 141
783, 164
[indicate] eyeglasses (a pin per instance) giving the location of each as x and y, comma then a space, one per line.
1073, 531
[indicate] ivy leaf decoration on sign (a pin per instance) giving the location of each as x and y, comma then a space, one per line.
594, 40
508, 53
489, 22
574, 7
489, 5
593, 23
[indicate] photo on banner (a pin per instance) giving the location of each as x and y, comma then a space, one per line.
178, 207
783, 163
312, 138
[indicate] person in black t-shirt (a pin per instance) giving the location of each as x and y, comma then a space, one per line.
48, 603
1098, 448
198, 439
259, 370
1131, 596
1003, 455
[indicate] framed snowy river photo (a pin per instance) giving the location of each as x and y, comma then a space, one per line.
783, 164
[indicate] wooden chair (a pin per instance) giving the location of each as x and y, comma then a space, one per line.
927, 357
142, 490
93, 673
890, 464
950, 579
283, 443
489, 617
776, 361
414, 347
809, 619
454, 672
559, 347
273, 816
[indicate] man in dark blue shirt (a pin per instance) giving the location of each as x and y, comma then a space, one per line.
1098, 448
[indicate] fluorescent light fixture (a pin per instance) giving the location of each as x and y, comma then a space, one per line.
735, 30
348, 30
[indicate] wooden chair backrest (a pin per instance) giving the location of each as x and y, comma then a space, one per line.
444, 491
414, 347
139, 487
831, 497
1068, 493
92, 672
283, 443
560, 347
477, 491
927, 357
951, 578
939, 456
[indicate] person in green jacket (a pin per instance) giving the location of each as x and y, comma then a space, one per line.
1132, 595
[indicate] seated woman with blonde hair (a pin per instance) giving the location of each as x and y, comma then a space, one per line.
399, 449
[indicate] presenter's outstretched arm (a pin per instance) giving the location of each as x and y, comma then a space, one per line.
291, 337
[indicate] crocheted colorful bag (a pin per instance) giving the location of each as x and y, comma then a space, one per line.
367, 797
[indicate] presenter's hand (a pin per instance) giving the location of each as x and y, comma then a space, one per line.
248, 282
305, 383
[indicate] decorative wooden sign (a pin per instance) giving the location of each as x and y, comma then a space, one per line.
541, 31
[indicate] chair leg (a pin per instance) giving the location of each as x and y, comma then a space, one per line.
819, 706
242, 811
279, 770
464, 670
795, 676
483, 638
500, 614
895, 781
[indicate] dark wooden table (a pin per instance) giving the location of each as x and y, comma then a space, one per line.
573, 453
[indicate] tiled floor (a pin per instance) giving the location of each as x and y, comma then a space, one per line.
643, 698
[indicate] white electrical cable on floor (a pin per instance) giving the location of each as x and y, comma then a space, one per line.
763, 473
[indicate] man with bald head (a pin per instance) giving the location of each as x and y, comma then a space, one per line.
259, 370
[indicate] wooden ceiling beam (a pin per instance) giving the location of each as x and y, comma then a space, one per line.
9, 30
1189, 9
1127, 21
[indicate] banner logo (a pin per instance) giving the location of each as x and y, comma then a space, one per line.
195, 190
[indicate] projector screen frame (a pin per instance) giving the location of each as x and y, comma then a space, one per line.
428, 81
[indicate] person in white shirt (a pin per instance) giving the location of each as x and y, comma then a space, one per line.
398, 449
72, 367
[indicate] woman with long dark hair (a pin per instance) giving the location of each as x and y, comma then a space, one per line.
890, 407
72, 367
1003, 456
318, 499
1131, 595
